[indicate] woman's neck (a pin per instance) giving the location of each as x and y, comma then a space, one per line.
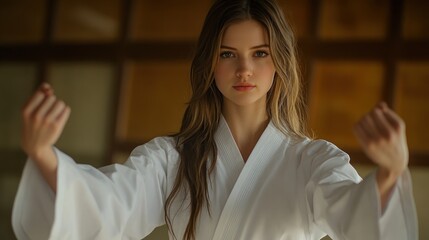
247, 123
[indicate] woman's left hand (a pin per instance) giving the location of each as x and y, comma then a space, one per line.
381, 133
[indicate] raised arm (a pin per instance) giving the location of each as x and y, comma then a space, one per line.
44, 117
381, 133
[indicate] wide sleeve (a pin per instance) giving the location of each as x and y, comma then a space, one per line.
344, 206
113, 202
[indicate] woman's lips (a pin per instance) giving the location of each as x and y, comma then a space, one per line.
244, 87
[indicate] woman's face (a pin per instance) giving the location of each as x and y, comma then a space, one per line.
245, 70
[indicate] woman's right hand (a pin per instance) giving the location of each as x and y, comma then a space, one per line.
44, 117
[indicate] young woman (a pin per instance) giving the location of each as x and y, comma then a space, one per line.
241, 166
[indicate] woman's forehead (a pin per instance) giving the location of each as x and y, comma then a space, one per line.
245, 33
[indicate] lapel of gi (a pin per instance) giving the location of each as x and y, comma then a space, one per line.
243, 177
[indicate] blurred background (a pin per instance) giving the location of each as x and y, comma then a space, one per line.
123, 67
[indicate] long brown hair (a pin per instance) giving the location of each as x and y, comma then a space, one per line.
195, 142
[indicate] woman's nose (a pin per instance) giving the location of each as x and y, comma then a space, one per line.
244, 69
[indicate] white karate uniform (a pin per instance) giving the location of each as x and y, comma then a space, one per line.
286, 190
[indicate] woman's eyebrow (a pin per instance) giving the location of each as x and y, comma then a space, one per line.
258, 46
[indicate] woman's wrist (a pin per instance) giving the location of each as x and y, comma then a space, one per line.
46, 161
386, 180
45, 158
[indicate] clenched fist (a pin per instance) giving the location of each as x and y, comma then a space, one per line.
381, 134
44, 117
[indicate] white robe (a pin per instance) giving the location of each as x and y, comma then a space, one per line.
286, 190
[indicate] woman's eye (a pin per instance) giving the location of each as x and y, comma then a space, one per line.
226, 54
261, 54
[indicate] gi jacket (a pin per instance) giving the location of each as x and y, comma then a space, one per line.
287, 189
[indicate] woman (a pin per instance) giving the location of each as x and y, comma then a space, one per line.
241, 166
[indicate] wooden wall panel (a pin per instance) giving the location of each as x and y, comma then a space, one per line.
416, 21
351, 19
83, 21
412, 103
165, 20
154, 99
297, 13
22, 21
340, 94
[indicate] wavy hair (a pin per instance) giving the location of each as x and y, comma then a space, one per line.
195, 142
